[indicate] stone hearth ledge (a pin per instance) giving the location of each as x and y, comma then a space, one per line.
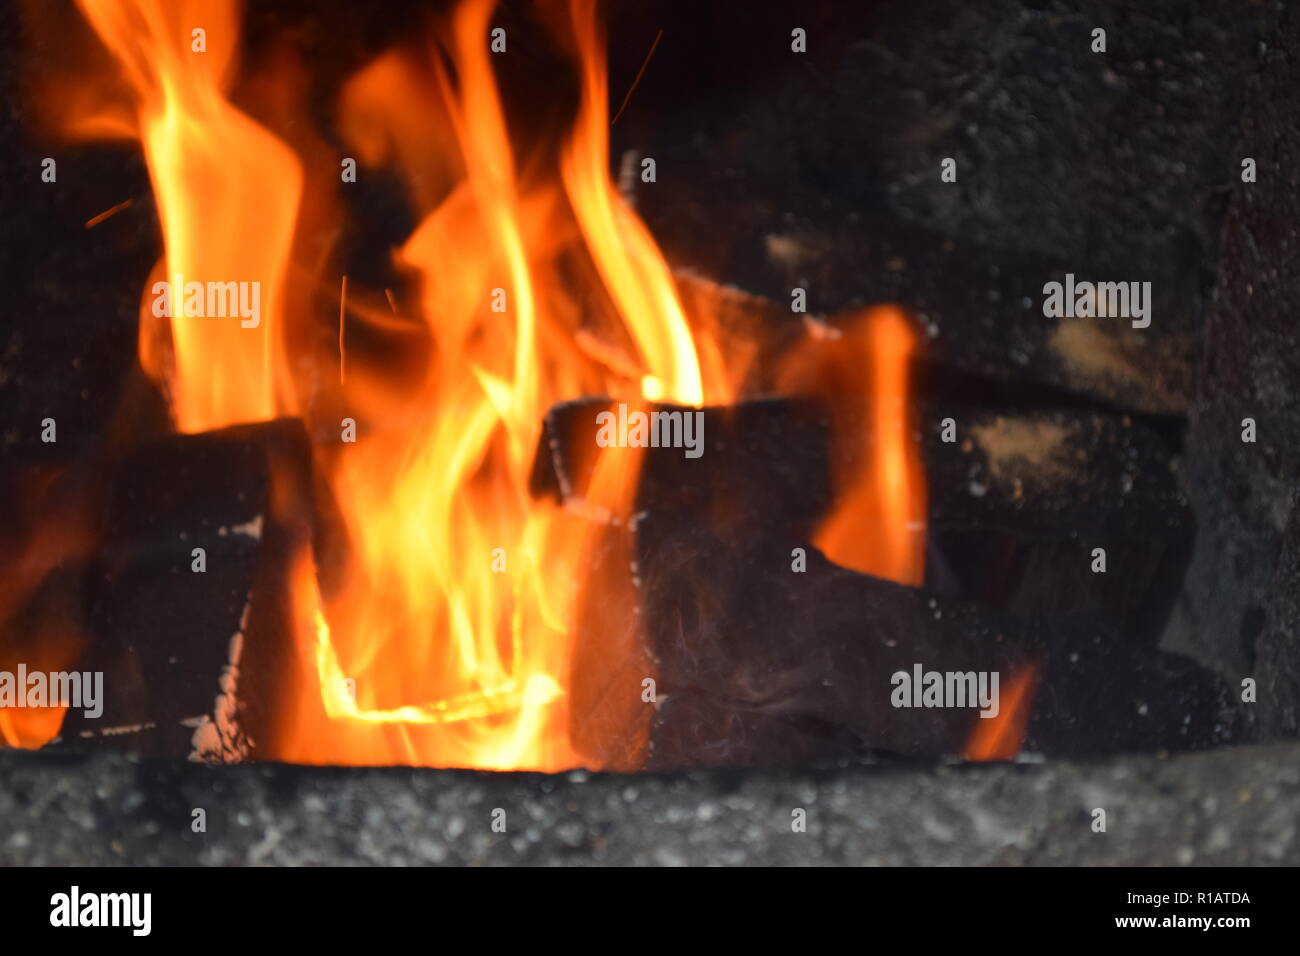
1231, 806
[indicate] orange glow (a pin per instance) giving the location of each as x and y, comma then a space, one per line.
450, 637
50, 645
58, 528
1001, 737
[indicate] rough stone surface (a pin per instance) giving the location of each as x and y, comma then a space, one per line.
1278, 660
1243, 492
1237, 806
1113, 166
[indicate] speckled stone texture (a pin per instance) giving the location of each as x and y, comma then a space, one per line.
1239, 596
1235, 806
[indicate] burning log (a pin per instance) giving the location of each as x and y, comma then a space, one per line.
766, 665
1021, 503
188, 597
612, 657
1018, 503
984, 318
764, 652
779, 445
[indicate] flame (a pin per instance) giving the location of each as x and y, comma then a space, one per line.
462, 577
449, 638
227, 193
625, 253
31, 728
877, 525
1001, 737
49, 642
38, 623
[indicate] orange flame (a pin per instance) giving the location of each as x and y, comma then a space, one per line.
461, 576
1001, 737
57, 527
227, 192
878, 523
626, 255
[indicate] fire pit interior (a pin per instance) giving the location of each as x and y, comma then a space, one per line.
669, 386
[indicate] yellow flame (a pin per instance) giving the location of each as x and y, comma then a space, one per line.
623, 249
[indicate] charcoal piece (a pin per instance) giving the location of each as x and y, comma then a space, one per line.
1020, 500
187, 656
762, 460
1016, 505
759, 664
983, 313
1098, 696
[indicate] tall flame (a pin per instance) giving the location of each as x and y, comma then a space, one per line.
227, 192
461, 575
629, 261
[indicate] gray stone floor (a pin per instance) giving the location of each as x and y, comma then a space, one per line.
1235, 806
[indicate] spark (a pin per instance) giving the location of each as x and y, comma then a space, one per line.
640, 73
96, 220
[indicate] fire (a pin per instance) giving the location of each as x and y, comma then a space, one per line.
463, 593
450, 639
1001, 737
227, 192
39, 628
30, 729
878, 523
629, 262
